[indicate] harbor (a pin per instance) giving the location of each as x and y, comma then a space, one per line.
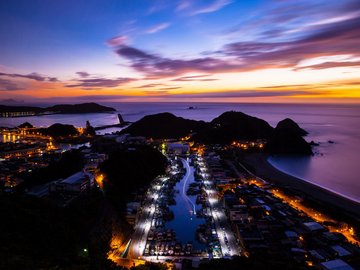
181, 217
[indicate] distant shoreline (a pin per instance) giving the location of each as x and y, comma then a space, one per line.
259, 164
56, 113
318, 185
26, 111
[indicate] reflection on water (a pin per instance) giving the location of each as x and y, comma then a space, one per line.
319, 171
185, 222
66, 146
78, 120
108, 130
336, 169
299, 166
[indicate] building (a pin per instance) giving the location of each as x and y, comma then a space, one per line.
93, 160
240, 214
337, 264
313, 226
178, 148
74, 184
131, 212
16, 114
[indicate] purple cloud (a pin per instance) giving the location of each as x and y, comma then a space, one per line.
100, 82
171, 88
284, 20
7, 85
117, 41
199, 78
287, 86
341, 37
184, 4
150, 85
32, 76
331, 39
332, 65
52, 79
157, 28
157, 66
311, 87
83, 74
214, 6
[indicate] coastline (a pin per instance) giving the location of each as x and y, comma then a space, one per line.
323, 187
259, 165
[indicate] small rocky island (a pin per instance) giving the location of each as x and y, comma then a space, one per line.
287, 138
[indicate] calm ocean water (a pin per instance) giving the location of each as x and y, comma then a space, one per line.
336, 167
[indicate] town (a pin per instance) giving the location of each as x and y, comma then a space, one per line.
227, 211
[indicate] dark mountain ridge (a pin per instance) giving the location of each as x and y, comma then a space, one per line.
57, 130
290, 125
164, 125
80, 108
62, 108
6, 108
230, 126
287, 138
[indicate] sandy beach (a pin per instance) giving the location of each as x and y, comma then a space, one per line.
258, 164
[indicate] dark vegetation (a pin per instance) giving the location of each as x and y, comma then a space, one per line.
129, 170
80, 108
68, 133
164, 125
231, 126
63, 108
227, 127
286, 138
89, 129
6, 108
26, 125
37, 234
69, 163
59, 130
291, 126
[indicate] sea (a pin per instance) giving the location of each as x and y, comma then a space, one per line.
336, 127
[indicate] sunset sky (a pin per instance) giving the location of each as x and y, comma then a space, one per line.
180, 50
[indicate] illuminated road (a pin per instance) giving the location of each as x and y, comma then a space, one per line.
143, 225
229, 246
228, 243
253, 175
342, 227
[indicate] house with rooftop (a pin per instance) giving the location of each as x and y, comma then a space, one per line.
74, 184
337, 264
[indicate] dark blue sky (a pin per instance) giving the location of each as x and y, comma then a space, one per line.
124, 45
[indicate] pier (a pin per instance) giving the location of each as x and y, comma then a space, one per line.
121, 124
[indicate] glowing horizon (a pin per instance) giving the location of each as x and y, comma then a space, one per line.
200, 51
